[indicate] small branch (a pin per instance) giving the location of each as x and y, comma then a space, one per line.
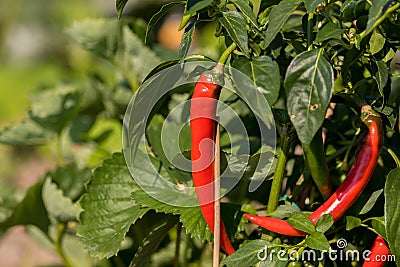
177, 244
58, 245
217, 195
224, 57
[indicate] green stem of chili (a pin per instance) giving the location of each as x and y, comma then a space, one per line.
58, 245
279, 172
224, 57
394, 156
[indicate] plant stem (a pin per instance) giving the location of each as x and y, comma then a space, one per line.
380, 20
224, 57
394, 156
177, 244
309, 30
278, 175
217, 194
58, 245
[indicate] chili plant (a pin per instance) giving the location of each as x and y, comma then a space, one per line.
327, 74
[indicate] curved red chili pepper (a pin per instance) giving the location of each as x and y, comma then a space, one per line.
356, 180
378, 249
202, 124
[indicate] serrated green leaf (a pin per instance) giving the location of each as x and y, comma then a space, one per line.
117, 43
245, 8
324, 223
186, 41
57, 205
25, 133
264, 72
153, 240
309, 86
371, 201
233, 22
311, 5
352, 222
376, 11
329, 31
54, 109
302, 223
248, 255
160, 14
119, 5
377, 42
108, 208
318, 241
277, 19
30, 211
392, 212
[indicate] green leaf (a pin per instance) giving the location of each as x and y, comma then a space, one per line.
249, 254
284, 211
25, 133
264, 72
324, 223
160, 14
381, 75
371, 201
30, 211
377, 42
318, 241
57, 205
108, 208
346, 4
277, 19
378, 225
10, 198
186, 41
376, 11
120, 4
392, 212
329, 31
352, 222
194, 6
302, 223
311, 5
234, 23
54, 109
153, 240
245, 8
309, 86
117, 43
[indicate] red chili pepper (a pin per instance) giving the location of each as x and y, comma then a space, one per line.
379, 253
356, 180
202, 123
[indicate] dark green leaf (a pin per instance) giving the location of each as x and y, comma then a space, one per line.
264, 72
392, 212
378, 225
54, 109
193, 6
30, 211
329, 31
186, 41
277, 19
234, 23
160, 14
245, 8
352, 222
302, 223
346, 4
324, 223
57, 205
309, 87
381, 75
120, 4
371, 201
108, 208
10, 198
284, 211
377, 42
311, 5
376, 11
153, 240
249, 254
318, 241
25, 133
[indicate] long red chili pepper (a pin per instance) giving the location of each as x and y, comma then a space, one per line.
356, 180
379, 253
202, 123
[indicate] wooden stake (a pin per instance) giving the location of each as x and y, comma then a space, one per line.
217, 195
